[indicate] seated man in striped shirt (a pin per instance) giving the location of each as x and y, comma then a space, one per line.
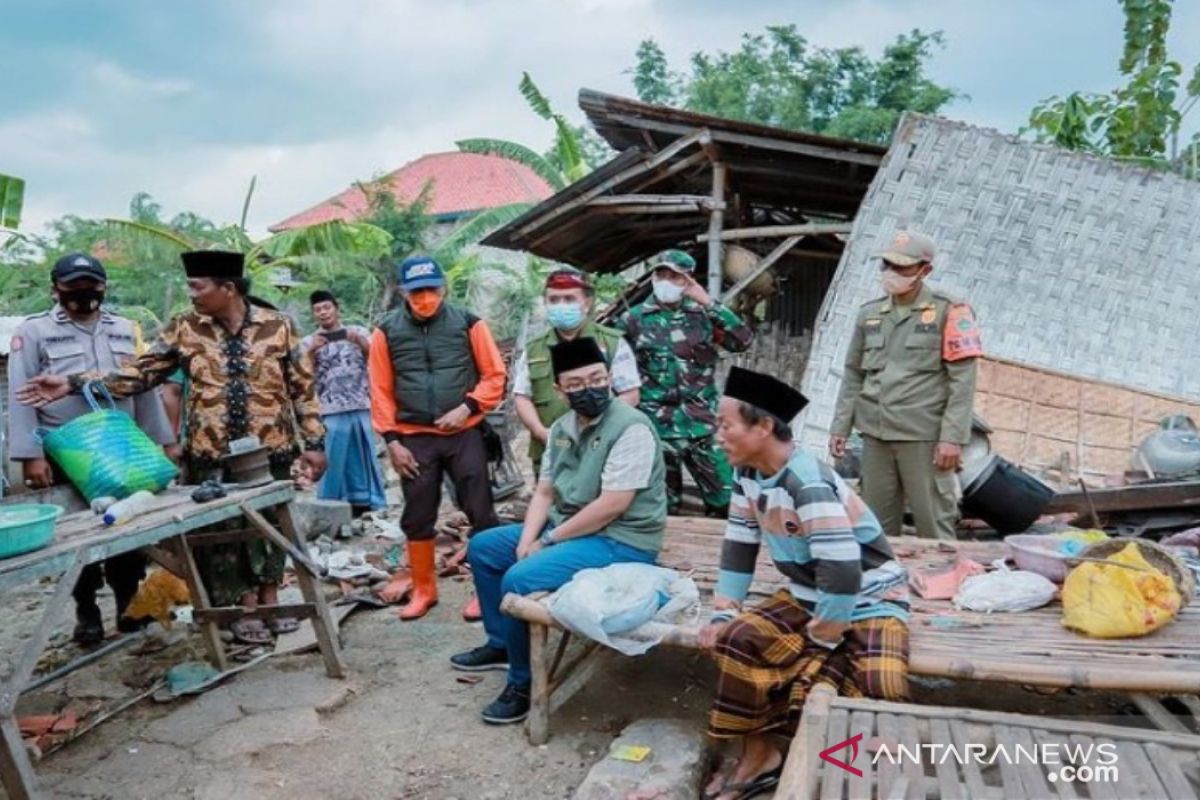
843, 618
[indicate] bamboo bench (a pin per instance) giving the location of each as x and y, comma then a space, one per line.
1027, 648
913, 752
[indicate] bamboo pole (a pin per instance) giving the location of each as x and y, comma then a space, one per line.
716, 221
777, 231
762, 266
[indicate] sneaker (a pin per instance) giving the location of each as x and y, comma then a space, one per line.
481, 659
511, 706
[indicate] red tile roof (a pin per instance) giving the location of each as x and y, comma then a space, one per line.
462, 182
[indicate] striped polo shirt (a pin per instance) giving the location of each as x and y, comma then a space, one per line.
822, 537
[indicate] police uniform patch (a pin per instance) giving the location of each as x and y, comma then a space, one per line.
873, 322
928, 316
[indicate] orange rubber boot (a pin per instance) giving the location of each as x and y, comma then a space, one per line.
471, 611
424, 576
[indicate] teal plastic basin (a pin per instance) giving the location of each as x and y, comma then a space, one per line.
26, 527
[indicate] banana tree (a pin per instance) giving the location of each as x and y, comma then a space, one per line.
324, 243
12, 199
567, 152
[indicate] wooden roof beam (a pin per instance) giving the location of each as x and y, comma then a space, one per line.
748, 140
696, 137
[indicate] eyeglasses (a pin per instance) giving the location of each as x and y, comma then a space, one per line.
598, 382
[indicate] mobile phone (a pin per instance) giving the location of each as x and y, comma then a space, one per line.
335, 336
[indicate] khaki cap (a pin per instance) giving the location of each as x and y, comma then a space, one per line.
908, 248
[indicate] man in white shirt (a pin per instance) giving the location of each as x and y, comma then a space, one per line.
569, 302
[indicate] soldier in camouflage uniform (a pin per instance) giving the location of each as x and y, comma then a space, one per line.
246, 378
675, 335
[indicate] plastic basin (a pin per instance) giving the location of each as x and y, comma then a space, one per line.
26, 527
1039, 553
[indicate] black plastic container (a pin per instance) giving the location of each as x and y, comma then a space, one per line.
1006, 497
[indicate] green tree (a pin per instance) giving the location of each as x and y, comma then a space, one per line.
778, 78
1138, 121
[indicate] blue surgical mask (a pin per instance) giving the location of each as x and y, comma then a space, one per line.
565, 316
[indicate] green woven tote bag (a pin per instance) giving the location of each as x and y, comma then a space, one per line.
105, 454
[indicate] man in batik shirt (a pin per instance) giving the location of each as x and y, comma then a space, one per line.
246, 377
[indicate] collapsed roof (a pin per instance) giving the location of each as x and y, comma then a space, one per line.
675, 170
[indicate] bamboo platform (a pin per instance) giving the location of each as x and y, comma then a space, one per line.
1029, 648
909, 752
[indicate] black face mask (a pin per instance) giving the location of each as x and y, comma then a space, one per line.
590, 403
81, 301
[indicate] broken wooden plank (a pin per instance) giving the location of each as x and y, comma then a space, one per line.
1142, 497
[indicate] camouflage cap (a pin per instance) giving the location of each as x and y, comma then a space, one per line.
908, 248
676, 260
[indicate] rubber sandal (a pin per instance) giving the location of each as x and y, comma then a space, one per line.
249, 630
282, 625
748, 789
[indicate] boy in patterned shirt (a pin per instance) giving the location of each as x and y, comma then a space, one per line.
841, 621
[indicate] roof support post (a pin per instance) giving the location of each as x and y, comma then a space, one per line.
716, 221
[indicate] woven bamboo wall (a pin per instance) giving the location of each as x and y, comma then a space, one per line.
1073, 263
1039, 415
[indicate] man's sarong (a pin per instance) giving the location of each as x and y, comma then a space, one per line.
767, 666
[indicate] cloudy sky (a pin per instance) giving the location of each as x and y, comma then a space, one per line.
188, 100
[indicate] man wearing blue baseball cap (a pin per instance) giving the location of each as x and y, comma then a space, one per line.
435, 373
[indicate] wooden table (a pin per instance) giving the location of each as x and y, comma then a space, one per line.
167, 534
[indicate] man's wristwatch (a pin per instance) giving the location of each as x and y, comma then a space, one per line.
547, 537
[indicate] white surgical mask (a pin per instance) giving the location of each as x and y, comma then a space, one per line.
896, 284
667, 292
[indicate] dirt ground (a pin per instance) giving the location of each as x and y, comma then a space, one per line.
401, 726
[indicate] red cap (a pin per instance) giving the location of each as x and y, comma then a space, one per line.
566, 279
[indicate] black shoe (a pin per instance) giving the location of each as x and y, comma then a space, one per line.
89, 629
511, 706
481, 659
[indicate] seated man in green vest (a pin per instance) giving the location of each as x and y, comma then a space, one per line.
600, 500
569, 303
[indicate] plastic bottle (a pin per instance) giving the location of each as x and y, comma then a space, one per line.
125, 510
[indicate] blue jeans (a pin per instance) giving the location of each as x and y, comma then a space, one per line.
497, 572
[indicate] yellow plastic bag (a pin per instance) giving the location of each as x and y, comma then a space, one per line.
1110, 602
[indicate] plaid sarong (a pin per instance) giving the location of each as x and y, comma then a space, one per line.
767, 666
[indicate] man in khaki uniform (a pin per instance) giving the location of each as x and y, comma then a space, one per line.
909, 386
